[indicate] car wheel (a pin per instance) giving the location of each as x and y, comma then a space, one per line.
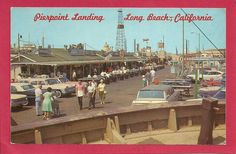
58, 93
26, 103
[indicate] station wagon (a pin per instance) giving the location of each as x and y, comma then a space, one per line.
156, 94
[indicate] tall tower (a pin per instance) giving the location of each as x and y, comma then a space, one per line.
121, 44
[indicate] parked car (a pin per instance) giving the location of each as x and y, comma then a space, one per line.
156, 94
181, 85
97, 79
25, 89
207, 75
18, 100
66, 81
220, 95
206, 83
223, 81
209, 91
61, 89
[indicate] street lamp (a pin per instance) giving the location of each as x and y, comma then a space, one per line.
197, 70
18, 43
199, 49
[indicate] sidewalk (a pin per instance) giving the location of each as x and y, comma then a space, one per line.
187, 135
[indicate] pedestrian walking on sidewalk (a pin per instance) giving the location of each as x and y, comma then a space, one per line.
91, 93
38, 100
47, 103
148, 77
102, 91
144, 80
153, 74
80, 93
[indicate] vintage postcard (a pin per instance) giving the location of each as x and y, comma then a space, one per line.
101, 63
133, 76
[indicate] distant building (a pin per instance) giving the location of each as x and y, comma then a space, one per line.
162, 54
213, 53
207, 58
106, 48
28, 47
176, 58
145, 51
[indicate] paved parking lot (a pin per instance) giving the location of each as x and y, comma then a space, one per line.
120, 94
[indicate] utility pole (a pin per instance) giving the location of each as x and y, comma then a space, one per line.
199, 54
18, 45
134, 45
197, 81
43, 41
29, 38
18, 41
163, 43
186, 53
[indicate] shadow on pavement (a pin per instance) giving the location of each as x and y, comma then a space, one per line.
218, 140
18, 109
61, 115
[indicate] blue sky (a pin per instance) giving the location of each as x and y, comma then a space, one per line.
95, 34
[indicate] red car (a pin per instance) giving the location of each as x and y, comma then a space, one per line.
211, 82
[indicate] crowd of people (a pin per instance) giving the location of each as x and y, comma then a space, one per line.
46, 103
149, 77
90, 91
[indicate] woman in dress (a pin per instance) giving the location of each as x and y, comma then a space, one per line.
101, 90
47, 103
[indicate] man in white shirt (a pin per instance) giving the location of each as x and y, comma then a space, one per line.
153, 74
38, 100
103, 73
74, 75
19, 77
80, 89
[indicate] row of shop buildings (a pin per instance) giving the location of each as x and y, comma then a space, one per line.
52, 61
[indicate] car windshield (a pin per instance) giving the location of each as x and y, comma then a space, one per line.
150, 94
23, 81
52, 81
220, 95
206, 73
13, 89
176, 83
27, 87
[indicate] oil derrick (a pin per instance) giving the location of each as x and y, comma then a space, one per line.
121, 45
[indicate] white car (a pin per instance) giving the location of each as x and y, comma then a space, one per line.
156, 94
61, 89
18, 100
25, 89
208, 75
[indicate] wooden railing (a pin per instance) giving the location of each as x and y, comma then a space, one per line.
111, 124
